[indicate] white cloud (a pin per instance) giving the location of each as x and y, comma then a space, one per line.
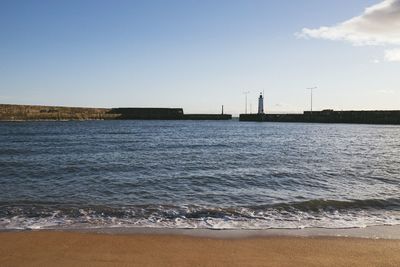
386, 92
378, 25
392, 55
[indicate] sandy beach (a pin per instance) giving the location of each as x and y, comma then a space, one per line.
51, 248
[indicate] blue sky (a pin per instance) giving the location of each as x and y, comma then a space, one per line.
196, 55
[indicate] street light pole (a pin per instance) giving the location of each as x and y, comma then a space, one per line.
311, 90
245, 107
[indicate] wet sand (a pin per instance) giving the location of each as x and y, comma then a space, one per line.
53, 248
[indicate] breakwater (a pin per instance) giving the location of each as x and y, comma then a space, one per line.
163, 114
207, 117
148, 113
35, 113
330, 116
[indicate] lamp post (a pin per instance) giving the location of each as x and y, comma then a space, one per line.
245, 97
311, 90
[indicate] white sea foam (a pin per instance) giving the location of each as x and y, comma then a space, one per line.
271, 219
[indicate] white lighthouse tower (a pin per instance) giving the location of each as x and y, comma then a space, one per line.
261, 104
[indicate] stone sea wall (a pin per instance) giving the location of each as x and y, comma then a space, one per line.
331, 116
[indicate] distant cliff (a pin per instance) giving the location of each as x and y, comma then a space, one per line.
28, 112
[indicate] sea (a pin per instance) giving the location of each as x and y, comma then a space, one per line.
198, 175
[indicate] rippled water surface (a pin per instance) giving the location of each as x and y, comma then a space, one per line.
198, 174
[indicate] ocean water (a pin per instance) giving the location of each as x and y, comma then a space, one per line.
198, 174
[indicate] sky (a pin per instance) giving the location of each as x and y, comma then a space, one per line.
201, 54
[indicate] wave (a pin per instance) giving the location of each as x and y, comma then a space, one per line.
322, 204
311, 213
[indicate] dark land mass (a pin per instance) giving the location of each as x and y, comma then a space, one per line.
35, 113
330, 116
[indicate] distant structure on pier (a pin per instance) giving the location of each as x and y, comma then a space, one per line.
261, 104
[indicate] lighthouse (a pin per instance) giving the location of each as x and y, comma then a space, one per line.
261, 104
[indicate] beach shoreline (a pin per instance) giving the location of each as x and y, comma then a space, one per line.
77, 248
369, 232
